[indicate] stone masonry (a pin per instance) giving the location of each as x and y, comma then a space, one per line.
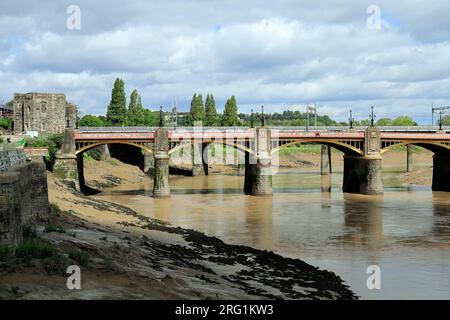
43, 112
23, 194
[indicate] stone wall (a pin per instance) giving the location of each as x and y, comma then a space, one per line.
43, 112
23, 195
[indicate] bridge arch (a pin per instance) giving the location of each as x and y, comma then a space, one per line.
341, 146
435, 147
87, 147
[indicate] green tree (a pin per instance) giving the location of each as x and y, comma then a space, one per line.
385, 122
404, 121
210, 111
151, 118
135, 110
230, 116
91, 121
197, 111
446, 120
117, 110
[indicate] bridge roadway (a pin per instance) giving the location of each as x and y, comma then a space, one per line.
362, 148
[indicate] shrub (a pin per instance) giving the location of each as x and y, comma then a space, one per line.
51, 141
52, 228
35, 249
79, 256
5, 252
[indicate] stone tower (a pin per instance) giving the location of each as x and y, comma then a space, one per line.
43, 112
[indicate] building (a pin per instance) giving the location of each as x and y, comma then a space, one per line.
43, 112
5, 111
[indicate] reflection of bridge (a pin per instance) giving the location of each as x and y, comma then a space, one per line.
362, 148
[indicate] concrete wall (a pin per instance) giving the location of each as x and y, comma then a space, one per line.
23, 195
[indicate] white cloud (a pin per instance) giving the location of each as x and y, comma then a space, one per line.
274, 53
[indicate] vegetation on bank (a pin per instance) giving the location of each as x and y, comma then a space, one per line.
34, 250
52, 141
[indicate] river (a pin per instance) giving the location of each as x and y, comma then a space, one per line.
406, 232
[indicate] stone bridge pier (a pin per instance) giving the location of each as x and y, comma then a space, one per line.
199, 159
363, 174
161, 187
258, 167
66, 166
441, 172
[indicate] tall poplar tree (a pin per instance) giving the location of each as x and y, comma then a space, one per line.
117, 110
211, 119
230, 115
135, 110
197, 111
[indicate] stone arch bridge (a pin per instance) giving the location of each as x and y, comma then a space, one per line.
362, 147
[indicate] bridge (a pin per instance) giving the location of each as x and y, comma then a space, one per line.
362, 148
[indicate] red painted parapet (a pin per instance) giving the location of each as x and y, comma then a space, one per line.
415, 136
249, 134
84, 136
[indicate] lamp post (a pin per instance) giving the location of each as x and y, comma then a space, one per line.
251, 119
372, 117
161, 120
351, 119
263, 122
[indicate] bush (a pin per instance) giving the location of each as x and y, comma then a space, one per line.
51, 141
79, 256
35, 249
5, 253
52, 228
5, 123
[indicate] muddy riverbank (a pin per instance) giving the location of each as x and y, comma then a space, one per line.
129, 256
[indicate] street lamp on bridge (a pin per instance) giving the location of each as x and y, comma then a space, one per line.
262, 117
161, 120
351, 119
441, 111
311, 109
372, 117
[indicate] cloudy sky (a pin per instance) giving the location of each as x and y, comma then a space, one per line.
280, 54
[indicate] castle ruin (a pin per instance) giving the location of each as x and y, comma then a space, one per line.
43, 112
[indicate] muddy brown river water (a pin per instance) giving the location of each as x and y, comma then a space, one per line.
406, 232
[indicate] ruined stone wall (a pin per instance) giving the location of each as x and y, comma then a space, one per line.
43, 112
23, 195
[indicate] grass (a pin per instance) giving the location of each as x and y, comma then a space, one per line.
52, 228
79, 256
109, 263
35, 249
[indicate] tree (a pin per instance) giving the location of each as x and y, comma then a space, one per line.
404, 121
446, 120
230, 115
135, 110
210, 111
385, 122
151, 118
117, 110
91, 121
196, 112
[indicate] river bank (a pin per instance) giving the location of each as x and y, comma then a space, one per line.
129, 256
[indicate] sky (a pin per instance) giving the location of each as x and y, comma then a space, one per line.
338, 55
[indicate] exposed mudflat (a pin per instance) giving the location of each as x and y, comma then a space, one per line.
136, 257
